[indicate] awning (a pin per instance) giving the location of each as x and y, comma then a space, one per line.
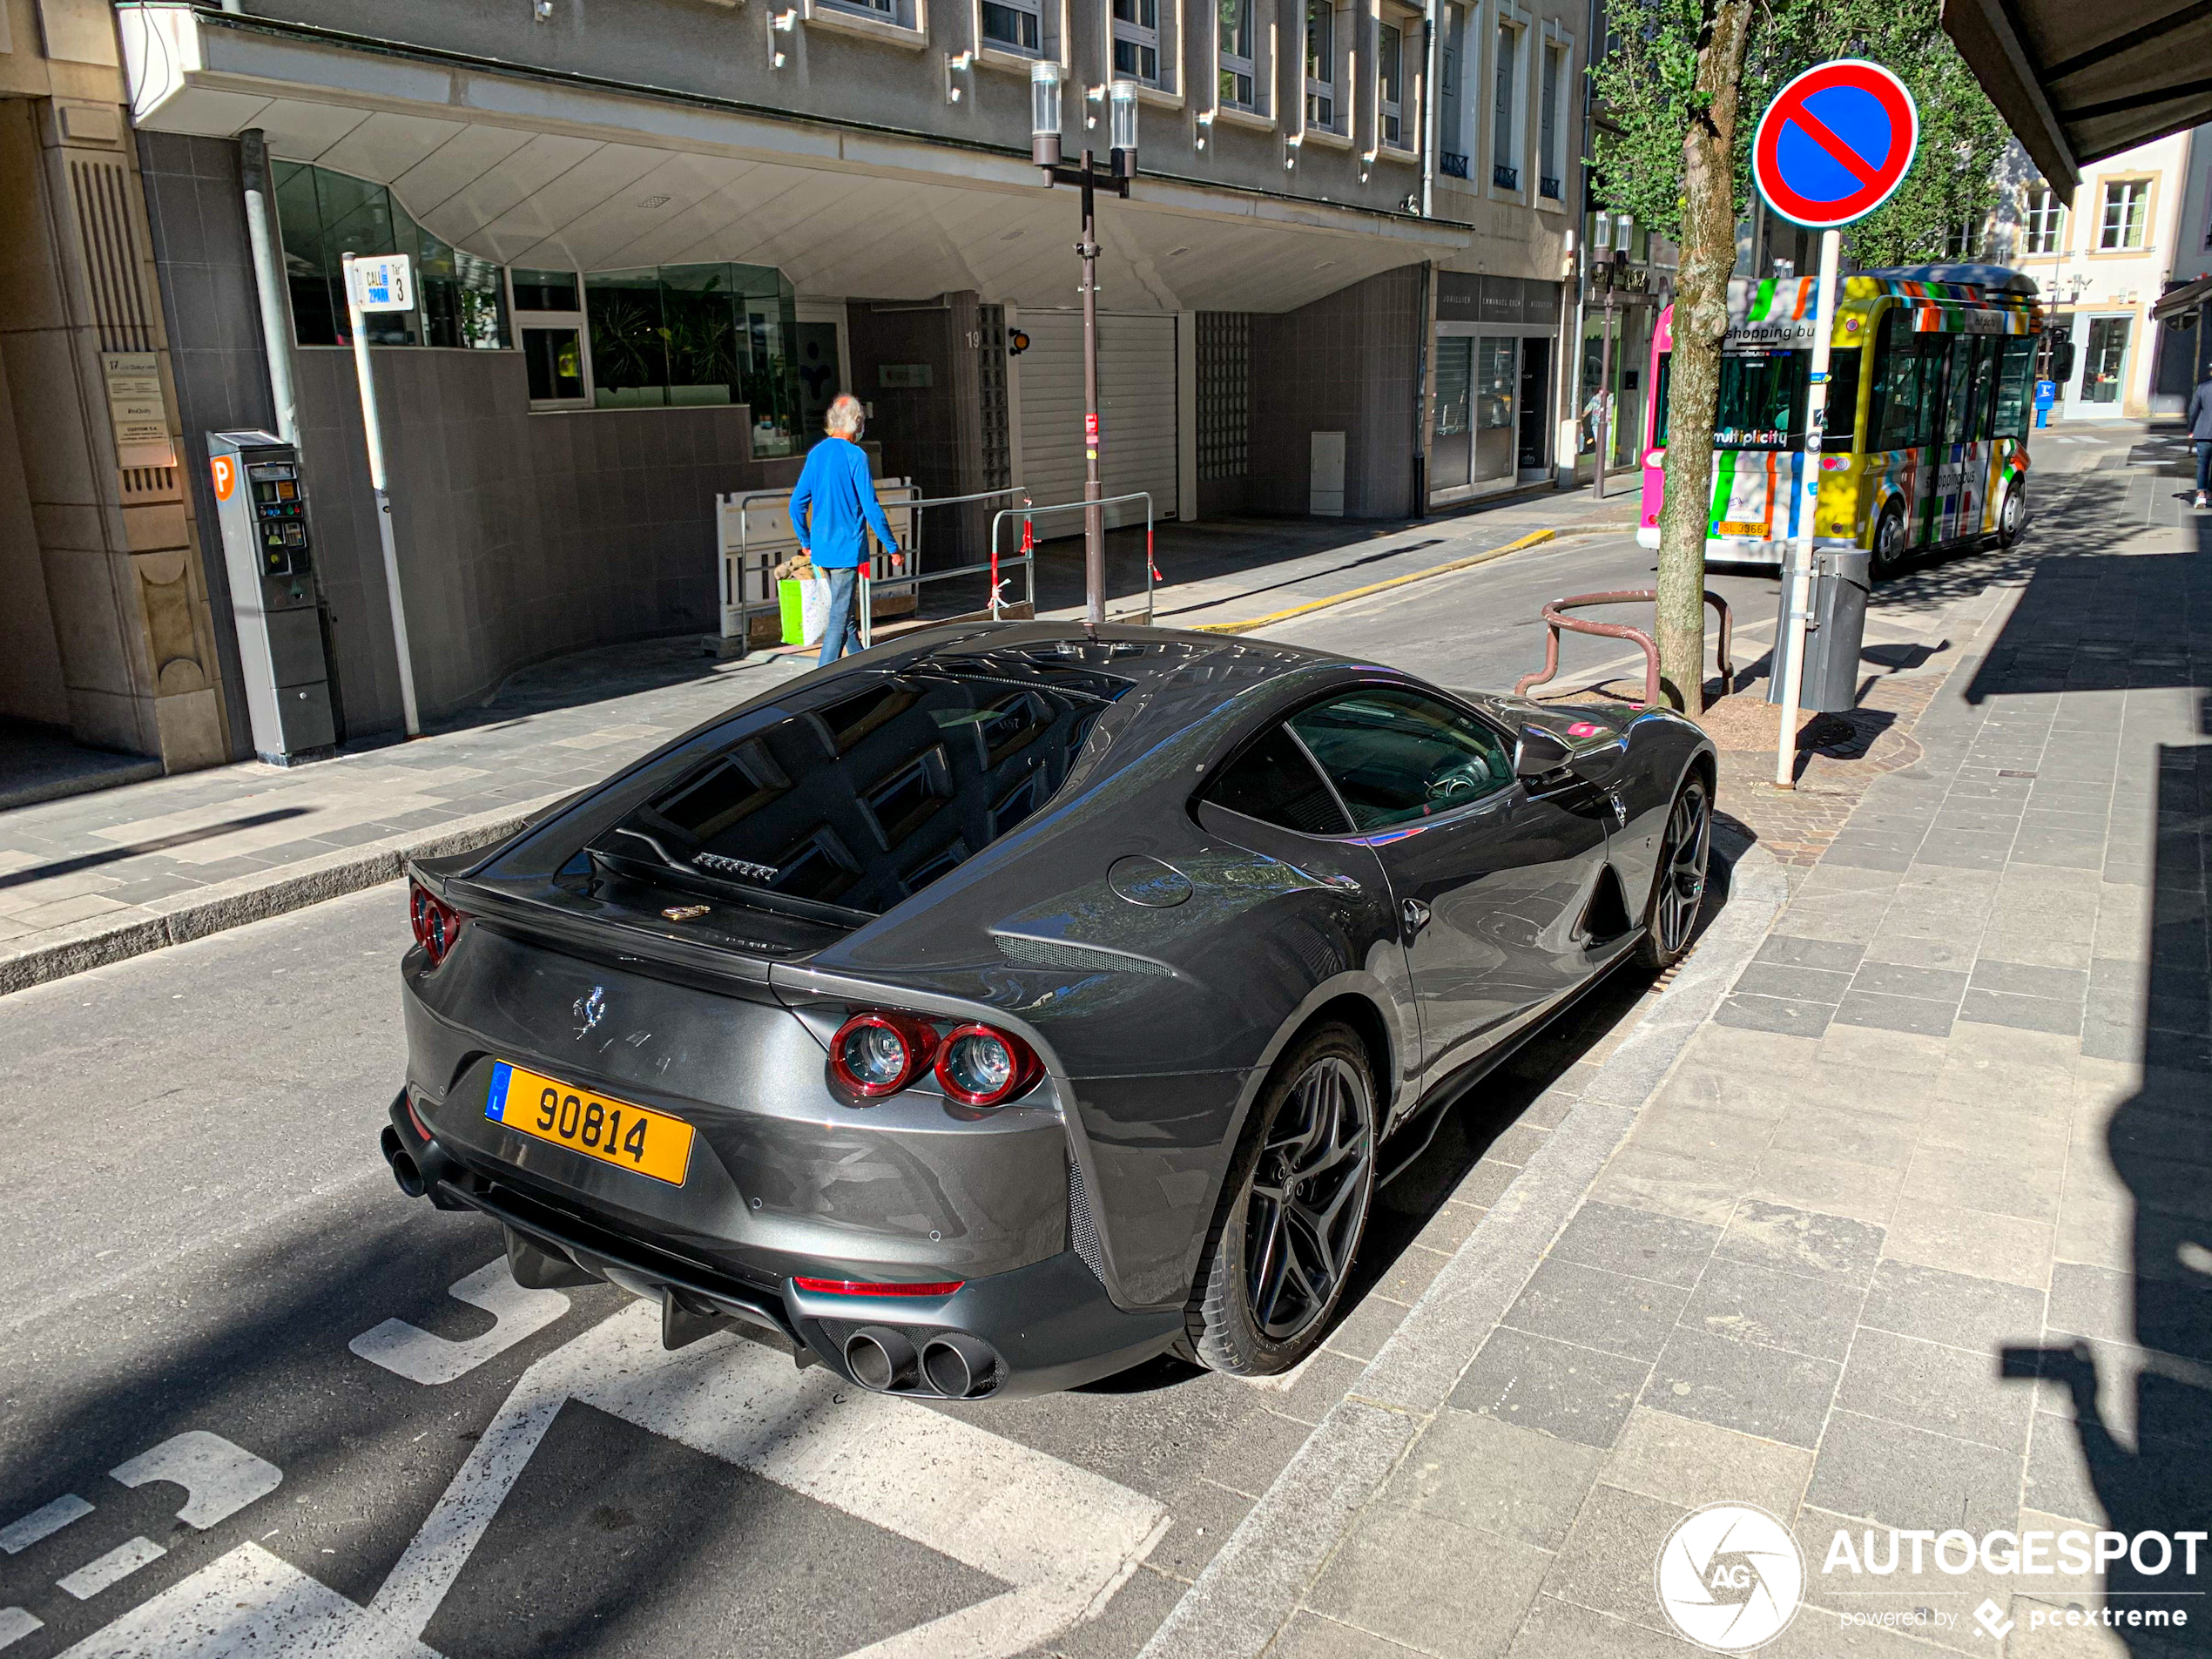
2077, 82
567, 172
2174, 306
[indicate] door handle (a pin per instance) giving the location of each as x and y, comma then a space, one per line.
1416, 914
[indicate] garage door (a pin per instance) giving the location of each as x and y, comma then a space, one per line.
1136, 407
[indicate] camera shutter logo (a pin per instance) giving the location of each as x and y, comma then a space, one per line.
1731, 1577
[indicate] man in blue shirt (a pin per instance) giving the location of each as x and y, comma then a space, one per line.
833, 506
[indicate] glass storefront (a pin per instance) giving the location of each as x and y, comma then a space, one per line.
323, 215
1491, 411
685, 336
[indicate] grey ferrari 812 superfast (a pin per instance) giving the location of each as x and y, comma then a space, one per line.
1007, 1006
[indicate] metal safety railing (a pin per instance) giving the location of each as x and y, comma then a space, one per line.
1030, 515
1556, 619
913, 579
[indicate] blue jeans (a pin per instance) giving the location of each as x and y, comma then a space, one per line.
841, 634
2203, 466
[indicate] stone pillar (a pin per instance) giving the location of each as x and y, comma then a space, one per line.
80, 321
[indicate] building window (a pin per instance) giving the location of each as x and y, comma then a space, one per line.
687, 335
549, 314
323, 215
2042, 221
1014, 25
1136, 40
1320, 65
1505, 149
1239, 56
1550, 168
2126, 200
1451, 135
1390, 61
893, 11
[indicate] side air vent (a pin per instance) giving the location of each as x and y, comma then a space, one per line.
1082, 1232
1043, 953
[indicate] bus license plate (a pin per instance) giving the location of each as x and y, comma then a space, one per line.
1751, 527
611, 1131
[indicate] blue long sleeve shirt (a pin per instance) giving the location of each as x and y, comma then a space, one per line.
834, 499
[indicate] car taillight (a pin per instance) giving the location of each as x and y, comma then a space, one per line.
879, 1053
863, 1287
978, 1065
438, 924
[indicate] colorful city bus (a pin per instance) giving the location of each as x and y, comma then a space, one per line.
1925, 442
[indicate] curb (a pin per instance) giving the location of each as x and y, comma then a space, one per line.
1251, 1590
1245, 627
95, 944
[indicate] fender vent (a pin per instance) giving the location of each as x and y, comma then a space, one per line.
1041, 952
1082, 1232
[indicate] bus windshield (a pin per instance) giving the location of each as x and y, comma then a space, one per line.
1763, 398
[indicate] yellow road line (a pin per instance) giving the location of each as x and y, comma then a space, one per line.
1529, 540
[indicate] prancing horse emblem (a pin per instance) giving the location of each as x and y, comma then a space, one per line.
590, 1009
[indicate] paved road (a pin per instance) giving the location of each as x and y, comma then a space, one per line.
258, 1403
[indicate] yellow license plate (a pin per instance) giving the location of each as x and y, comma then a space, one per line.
612, 1131
1744, 527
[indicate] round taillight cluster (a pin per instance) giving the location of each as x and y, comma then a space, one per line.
881, 1051
436, 923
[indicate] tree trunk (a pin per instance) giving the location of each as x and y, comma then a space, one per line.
1701, 320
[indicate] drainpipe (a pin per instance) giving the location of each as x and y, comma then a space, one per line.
1429, 102
268, 282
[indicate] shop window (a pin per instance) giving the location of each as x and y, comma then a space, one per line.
689, 335
1136, 40
2106, 360
2126, 202
323, 215
1240, 73
1321, 100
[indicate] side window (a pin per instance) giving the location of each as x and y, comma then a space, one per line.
1397, 756
1274, 782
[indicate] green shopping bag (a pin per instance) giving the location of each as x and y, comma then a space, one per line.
789, 600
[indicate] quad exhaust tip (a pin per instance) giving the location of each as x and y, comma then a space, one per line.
960, 1367
880, 1358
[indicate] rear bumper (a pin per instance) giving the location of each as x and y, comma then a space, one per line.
1034, 1330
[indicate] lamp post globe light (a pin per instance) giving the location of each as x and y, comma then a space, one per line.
1045, 152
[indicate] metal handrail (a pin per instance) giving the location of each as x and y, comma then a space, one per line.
1554, 620
1028, 541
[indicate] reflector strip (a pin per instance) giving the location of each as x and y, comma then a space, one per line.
860, 1287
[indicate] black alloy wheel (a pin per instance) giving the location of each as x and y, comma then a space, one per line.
1292, 1212
1889, 542
1678, 888
2012, 513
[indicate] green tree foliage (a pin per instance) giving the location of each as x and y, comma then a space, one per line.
1645, 85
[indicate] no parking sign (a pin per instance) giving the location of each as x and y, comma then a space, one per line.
1836, 142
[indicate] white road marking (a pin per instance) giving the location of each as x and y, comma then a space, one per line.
19, 1536
113, 1568
248, 1604
419, 1357
18, 1622
219, 1479
1062, 1537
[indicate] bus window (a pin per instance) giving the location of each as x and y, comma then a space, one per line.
1661, 383
1762, 402
1900, 385
1839, 422
2013, 383
1988, 350
1957, 390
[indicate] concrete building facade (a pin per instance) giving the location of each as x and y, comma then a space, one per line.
656, 237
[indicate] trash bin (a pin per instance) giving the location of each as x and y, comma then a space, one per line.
1841, 579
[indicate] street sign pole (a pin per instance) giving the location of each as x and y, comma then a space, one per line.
1824, 311
360, 289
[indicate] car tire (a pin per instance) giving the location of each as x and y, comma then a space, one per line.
1889, 543
1678, 884
2012, 514
1317, 1122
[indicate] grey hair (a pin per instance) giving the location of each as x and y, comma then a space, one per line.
844, 417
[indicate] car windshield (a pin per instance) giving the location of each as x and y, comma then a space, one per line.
855, 804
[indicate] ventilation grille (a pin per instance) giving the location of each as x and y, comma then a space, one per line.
1039, 952
111, 267
1082, 1232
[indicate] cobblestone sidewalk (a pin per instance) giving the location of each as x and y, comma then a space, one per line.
1914, 1233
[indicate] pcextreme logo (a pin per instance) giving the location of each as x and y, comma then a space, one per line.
1731, 1577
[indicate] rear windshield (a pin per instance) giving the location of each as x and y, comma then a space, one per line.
851, 805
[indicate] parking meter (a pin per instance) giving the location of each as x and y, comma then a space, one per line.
268, 554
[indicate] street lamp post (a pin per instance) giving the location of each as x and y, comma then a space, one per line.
1606, 270
1044, 149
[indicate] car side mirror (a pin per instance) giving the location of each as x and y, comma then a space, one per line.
1540, 753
